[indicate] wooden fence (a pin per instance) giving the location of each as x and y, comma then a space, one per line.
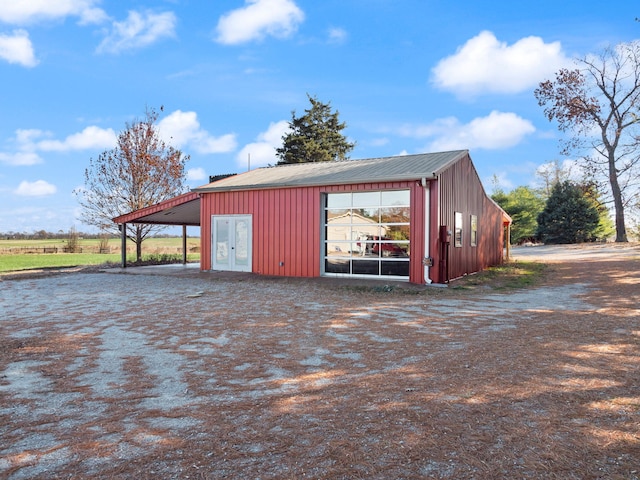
88, 249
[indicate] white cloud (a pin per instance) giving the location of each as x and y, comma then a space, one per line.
26, 136
337, 35
258, 19
38, 188
496, 131
139, 30
499, 180
379, 142
181, 129
21, 12
263, 151
30, 141
20, 158
17, 48
90, 138
196, 174
485, 65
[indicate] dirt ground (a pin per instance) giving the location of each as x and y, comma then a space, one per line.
198, 375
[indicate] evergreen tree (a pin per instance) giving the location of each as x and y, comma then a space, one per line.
569, 216
606, 228
523, 204
316, 136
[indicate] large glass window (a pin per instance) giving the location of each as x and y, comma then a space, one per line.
367, 233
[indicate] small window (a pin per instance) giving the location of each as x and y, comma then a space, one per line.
474, 230
457, 232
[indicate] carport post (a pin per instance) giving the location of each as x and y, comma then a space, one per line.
123, 244
184, 244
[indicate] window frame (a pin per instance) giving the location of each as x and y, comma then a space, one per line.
369, 246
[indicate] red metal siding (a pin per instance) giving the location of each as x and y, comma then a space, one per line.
417, 233
287, 226
461, 191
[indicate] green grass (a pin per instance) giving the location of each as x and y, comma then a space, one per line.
512, 275
154, 250
12, 263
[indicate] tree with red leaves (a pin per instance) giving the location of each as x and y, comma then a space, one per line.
140, 171
598, 105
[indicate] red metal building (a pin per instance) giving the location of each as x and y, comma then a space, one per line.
422, 218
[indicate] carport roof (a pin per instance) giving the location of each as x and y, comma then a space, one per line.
181, 210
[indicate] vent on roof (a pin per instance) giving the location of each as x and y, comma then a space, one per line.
215, 178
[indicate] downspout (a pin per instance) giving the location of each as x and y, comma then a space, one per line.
427, 260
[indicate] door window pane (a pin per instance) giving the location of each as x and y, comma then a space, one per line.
394, 215
222, 241
366, 199
338, 215
395, 197
366, 267
336, 200
242, 243
396, 269
366, 215
337, 265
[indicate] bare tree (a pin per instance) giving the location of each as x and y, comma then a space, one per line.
597, 105
139, 172
551, 174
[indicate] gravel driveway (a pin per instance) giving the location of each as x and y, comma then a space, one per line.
180, 374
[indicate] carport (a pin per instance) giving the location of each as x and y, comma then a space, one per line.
183, 210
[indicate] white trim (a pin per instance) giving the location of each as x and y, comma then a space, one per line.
232, 266
427, 230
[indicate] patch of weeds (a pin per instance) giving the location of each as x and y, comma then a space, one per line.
512, 275
383, 289
158, 259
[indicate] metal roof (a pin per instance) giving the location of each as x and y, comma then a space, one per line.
385, 169
181, 210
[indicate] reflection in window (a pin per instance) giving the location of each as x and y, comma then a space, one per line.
457, 231
474, 230
339, 200
367, 233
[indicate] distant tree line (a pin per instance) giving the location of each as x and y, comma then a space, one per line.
62, 235
562, 211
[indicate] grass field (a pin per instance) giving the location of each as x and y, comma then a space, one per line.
161, 249
148, 244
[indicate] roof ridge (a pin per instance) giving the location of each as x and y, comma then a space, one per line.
347, 160
377, 169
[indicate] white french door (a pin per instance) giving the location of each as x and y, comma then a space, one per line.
231, 242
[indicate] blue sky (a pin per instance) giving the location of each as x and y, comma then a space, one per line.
407, 76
